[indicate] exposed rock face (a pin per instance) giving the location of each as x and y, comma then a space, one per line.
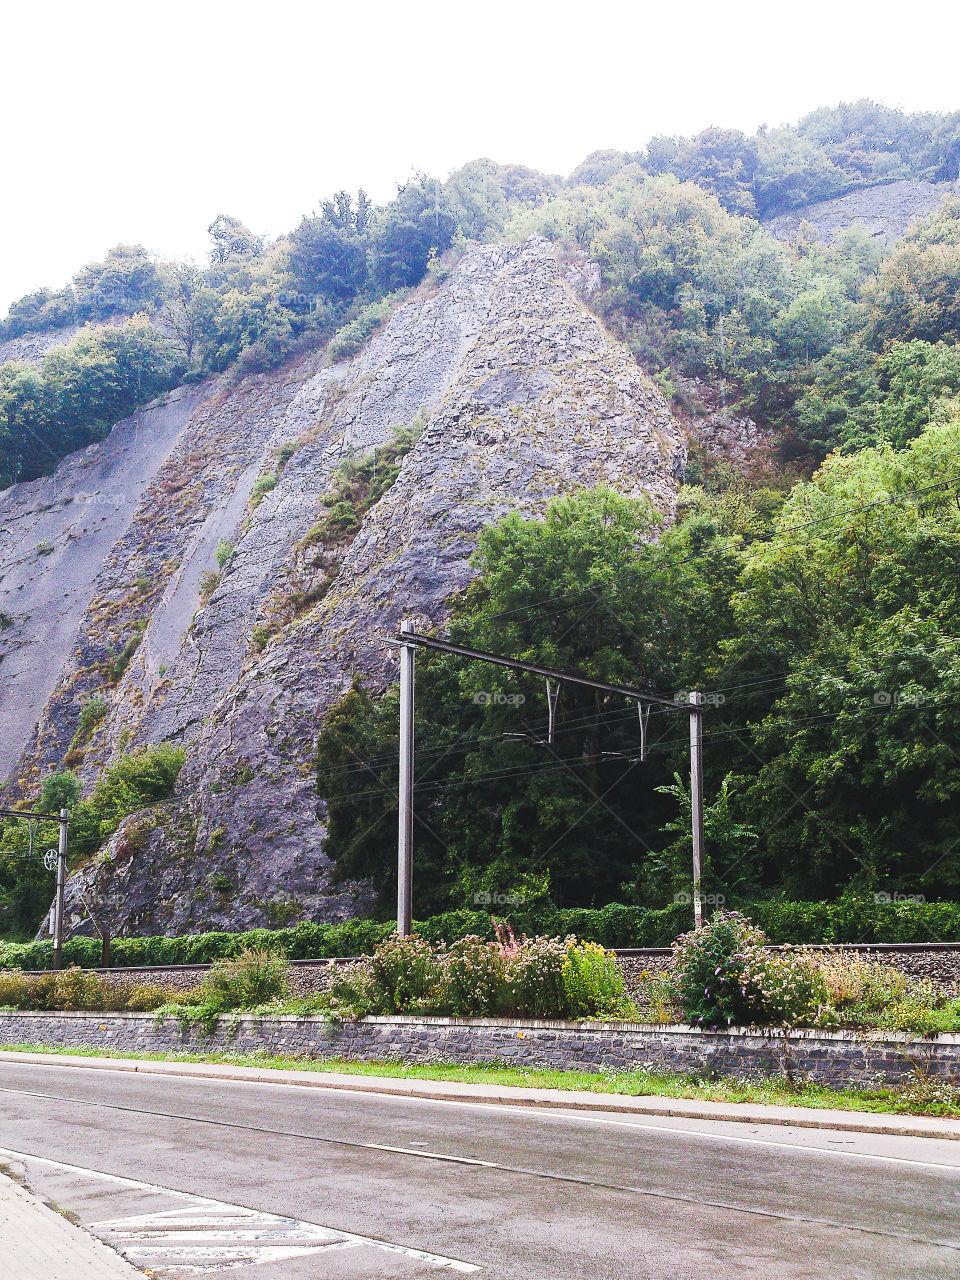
886, 211
33, 347
520, 395
56, 534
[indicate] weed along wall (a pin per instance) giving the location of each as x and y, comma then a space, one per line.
833, 1058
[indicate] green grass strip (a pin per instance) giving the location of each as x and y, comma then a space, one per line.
925, 1098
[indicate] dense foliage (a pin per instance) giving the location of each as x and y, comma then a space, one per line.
472, 977
132, 783
825, 629
852, 919
799, 334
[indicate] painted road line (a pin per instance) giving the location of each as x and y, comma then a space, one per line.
156, 1239
578, 1117
430, 1155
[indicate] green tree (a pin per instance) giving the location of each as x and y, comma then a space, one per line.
854, 605
498, 808
405, 233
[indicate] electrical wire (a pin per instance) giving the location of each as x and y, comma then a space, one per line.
504, 774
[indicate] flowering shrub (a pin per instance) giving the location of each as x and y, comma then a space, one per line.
529, 977
709, 965
471, 975
533, 979
784, 988
403, 974
861, 993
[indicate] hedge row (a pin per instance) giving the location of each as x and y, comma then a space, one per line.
847, 920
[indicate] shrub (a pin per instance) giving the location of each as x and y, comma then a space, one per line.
255, 977
404, 974
76, 989
264, 485
710, 964
147, 998
592, 983
878, 996
784, 988
535, 977
209, 581
470, 975
533, 983
14, 987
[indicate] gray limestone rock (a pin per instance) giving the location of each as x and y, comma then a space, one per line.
518, 394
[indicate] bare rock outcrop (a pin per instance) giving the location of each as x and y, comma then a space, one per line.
517, 393
886, 211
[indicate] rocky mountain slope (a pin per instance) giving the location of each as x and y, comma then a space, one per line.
886, 211
513, 393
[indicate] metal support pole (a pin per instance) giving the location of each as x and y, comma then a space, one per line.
61, 885
405, 835
696, 799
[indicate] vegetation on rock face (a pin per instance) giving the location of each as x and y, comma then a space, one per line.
133, 782
358, 485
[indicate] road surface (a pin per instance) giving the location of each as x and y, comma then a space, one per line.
188, 1177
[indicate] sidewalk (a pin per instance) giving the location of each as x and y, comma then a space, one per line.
37, 1243
508, 1095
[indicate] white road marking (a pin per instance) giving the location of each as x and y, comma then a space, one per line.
567, 1117
205, 1236
431, 1155
576, 1117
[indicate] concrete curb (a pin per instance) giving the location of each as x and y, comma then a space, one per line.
505, 1095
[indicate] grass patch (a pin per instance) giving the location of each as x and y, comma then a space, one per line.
921, 1098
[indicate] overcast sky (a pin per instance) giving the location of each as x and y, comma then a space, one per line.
138, 123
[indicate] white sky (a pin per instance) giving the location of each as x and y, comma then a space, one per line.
139, 122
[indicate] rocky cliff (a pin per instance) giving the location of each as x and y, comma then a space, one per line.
512, 392
886, 211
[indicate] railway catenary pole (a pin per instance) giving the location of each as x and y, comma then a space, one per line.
405, 833
58, 901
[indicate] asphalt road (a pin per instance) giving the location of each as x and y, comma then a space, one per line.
284, 1183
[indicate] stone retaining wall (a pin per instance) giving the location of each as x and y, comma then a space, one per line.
835, 1058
